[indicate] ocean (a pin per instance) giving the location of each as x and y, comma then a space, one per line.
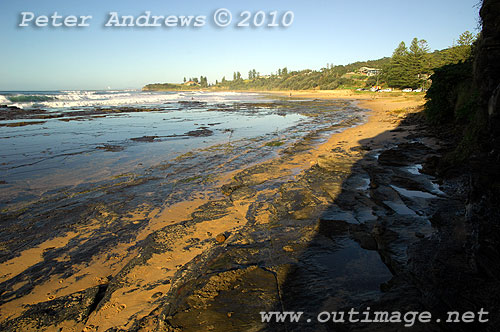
74, 141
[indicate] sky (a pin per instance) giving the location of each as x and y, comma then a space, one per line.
323, 32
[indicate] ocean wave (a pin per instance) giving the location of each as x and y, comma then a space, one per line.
29, 98
4, 101
106, 98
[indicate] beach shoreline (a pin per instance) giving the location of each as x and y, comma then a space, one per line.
237, 205
385, 110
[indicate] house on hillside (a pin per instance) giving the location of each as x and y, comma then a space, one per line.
369, 71
191, 83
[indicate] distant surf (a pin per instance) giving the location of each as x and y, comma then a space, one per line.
99, 98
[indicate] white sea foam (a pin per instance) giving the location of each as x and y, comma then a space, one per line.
78, 98
4, 101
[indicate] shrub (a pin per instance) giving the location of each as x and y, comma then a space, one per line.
450, 97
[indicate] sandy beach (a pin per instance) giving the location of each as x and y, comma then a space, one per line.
386, 112
129, 281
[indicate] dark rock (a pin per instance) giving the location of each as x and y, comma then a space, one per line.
75, 307
202, 132
111, 148
144, 139
156, 295
229, 301
366, 241
405, 154
332, 227
221, 238
431, 165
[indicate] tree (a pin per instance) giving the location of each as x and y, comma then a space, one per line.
418, 64
252, 74
184, 80
466, 39
396, 73
462, 49
203, 81
409, 68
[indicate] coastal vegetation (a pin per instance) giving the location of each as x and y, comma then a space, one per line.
453, 99
407, 68
411, 67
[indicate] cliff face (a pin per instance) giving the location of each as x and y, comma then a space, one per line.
487, 63
483, 205
483, 216
459, 268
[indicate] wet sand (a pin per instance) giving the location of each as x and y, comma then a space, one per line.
137, 276
386, 114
